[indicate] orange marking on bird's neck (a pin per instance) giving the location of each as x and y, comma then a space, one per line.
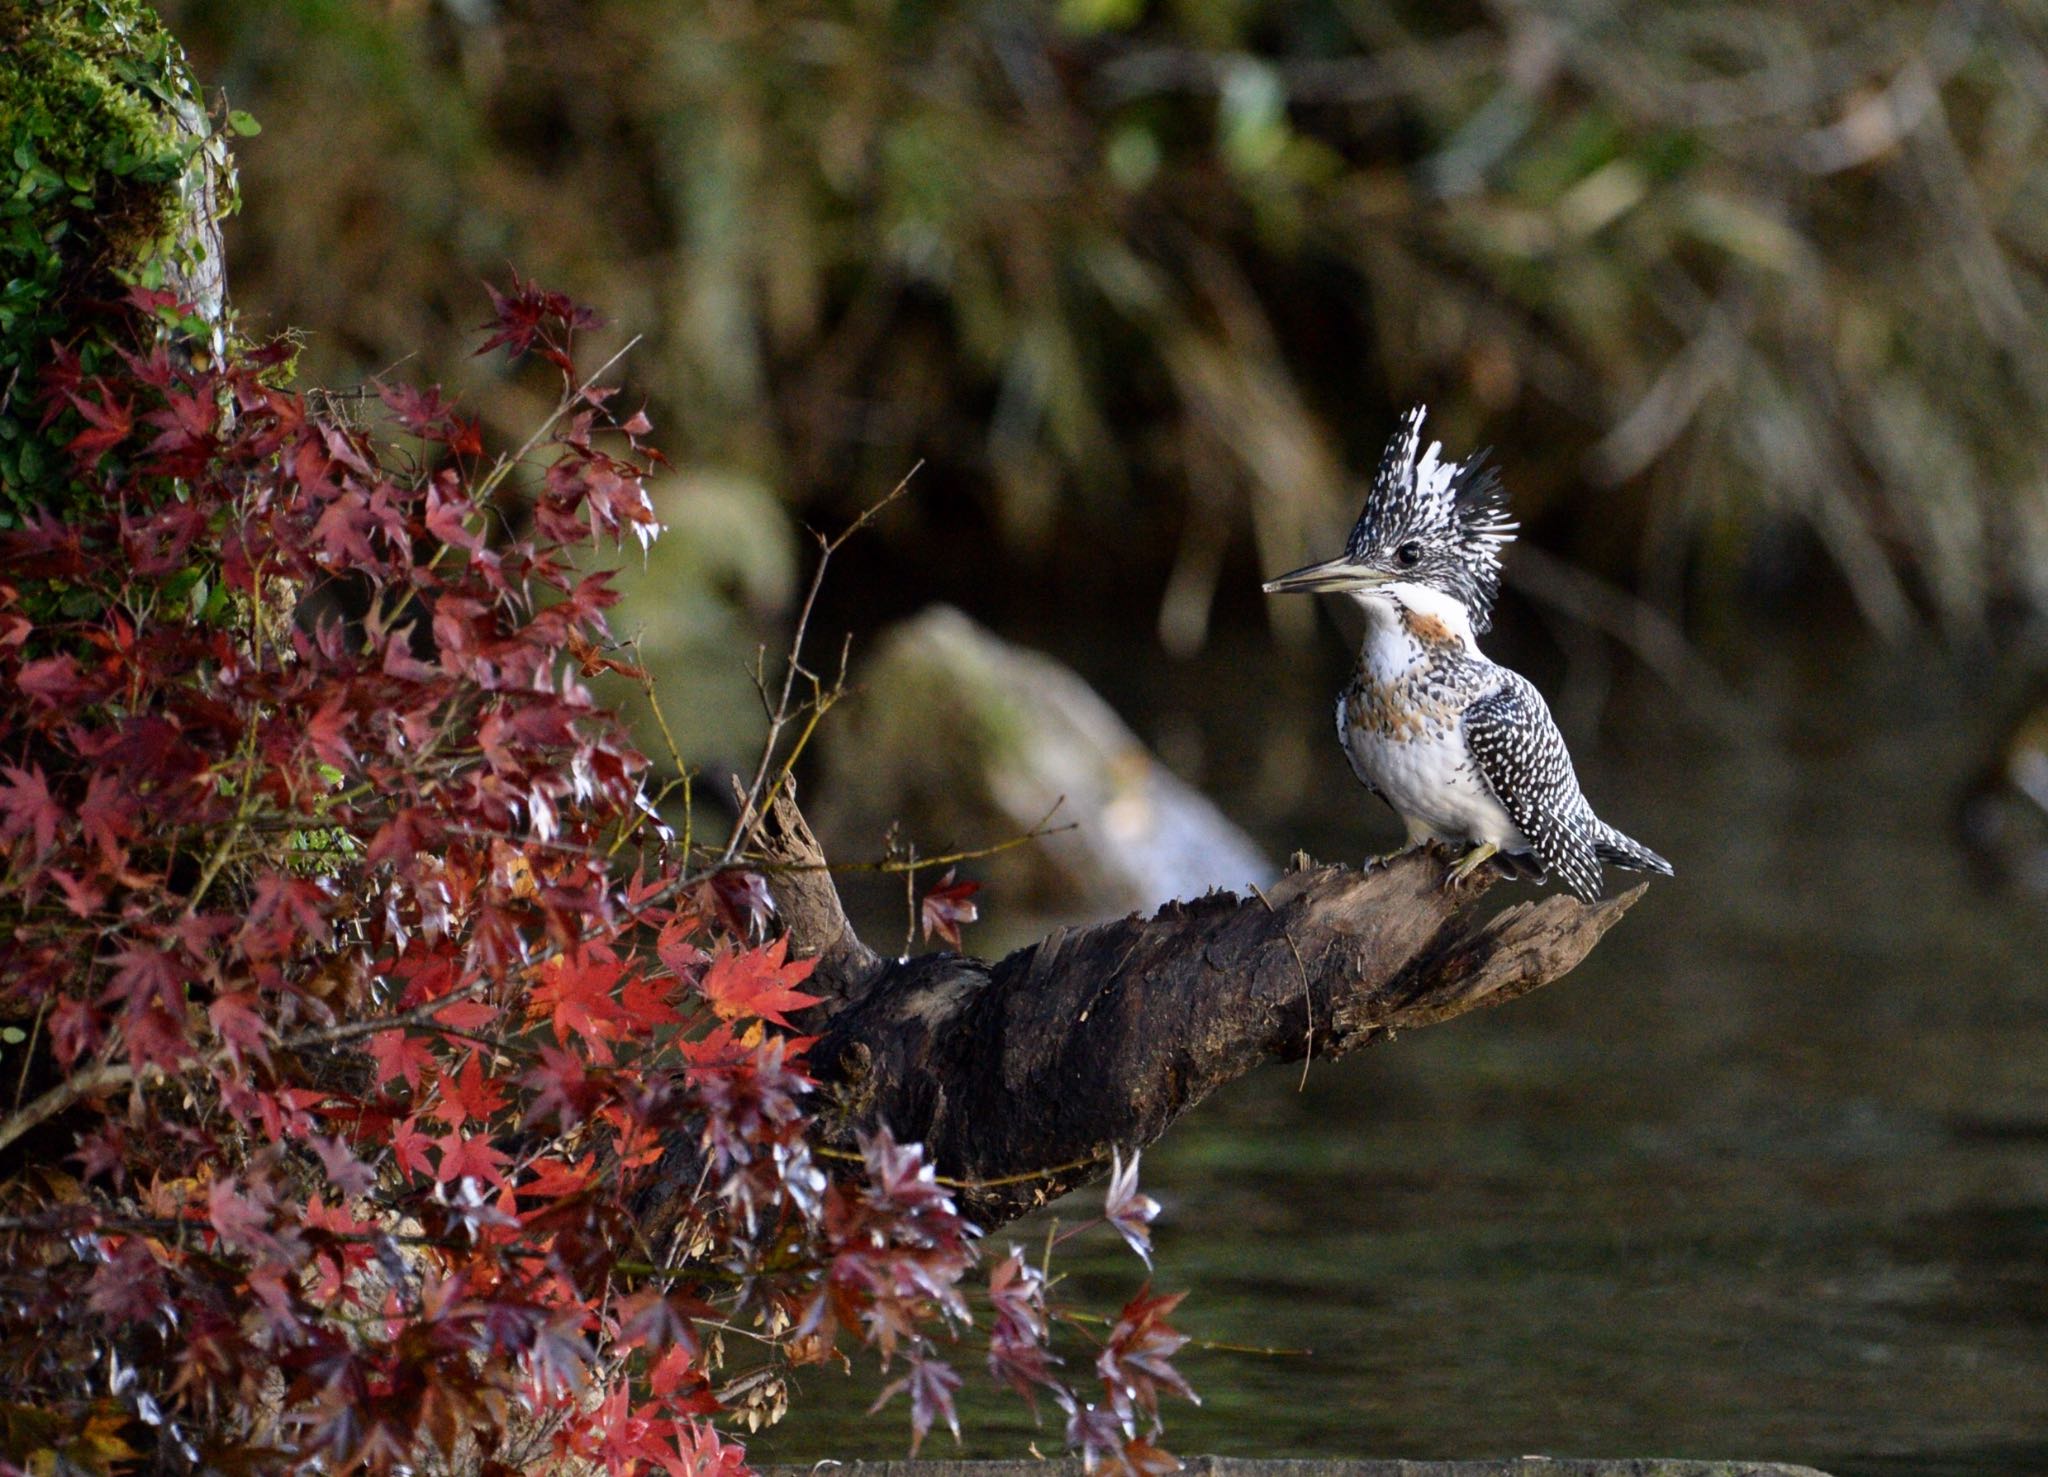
1427, 629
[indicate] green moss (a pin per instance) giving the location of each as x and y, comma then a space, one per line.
102, 132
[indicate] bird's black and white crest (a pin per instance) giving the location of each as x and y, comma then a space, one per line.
1456, 512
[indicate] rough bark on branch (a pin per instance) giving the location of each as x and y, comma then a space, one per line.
1021, 1074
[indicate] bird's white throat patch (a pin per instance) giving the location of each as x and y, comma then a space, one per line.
1407, 625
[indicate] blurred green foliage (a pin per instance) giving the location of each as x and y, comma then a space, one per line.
702, 610
1159, 272
103, 145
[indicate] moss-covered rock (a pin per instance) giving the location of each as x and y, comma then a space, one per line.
110, 171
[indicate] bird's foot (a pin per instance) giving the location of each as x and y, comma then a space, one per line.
1388, 858
1470, 863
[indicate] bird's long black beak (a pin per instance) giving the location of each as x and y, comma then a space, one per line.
1330, 575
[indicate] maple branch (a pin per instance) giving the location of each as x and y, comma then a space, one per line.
85, 1083
570, 395
1020, 1075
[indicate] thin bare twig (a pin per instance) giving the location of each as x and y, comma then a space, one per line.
1024, 1177
1068, 1315
909, 871
28, 1053
1308, 999
892, 865
88, 1083
504, 465
757, 796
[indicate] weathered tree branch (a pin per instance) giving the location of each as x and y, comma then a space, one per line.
1021, 1074
811, 912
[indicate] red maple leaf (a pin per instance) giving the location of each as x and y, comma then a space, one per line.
129, 1286
930, 1383
147, 978
289, 908
559, 1355
449, 508
344, 531
549, 1178
1128, 1210
424, 413
675, 948
659, 1320
560, 1087
469, 1158
26, 806
470, 1096
1136, 1362
104, 1151
235, 1021
1017, 1352
108, 816
108, 424
84, 896
74, 1029
758, 983
576, 994
946, 907
345, 1172
409, 1147
645, 1005
54, 681
531, 319
155, 1035
741, 901
701, 1452
400, 1055
327, 733
466, 1015
242, 1220
901, 1175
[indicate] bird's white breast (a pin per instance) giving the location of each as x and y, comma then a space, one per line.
1402, 727
1430, 781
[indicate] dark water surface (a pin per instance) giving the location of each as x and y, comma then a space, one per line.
1766, 1177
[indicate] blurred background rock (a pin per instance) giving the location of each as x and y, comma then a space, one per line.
955, 732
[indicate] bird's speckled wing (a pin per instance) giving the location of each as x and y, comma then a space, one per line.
1522, 757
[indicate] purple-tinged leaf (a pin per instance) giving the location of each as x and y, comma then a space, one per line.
931, 1384
1125, 1208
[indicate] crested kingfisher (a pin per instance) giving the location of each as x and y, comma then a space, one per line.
1464, 750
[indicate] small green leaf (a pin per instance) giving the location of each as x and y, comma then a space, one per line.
243, 123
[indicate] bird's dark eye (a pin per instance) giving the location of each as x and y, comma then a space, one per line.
1408, 555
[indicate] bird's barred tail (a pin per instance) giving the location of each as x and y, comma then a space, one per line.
1619, 851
